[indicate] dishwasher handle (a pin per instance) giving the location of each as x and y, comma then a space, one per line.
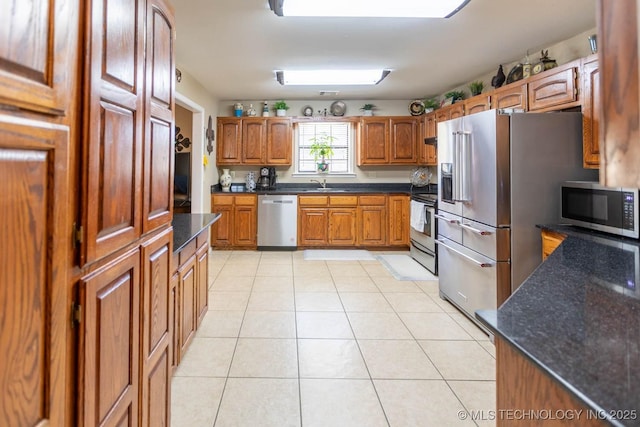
281, 202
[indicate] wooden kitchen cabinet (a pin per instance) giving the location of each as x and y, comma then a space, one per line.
327, 220
373, 146
591, 102
398, 208
554, 89
372, 220
388, 140
254, 141
513, 95
550, 241
429, 129
187, 291
618, 68
237, 227
449, 112
202, 286
313, 226
477, 104
109, 343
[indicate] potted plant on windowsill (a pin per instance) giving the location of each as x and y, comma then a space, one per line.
367, 109
321, 151
281, 108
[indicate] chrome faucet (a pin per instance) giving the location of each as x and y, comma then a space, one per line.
323, 183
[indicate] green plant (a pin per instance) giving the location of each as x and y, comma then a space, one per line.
280, 105
321, 147
366, 107
455, 95
431, 103
476, 87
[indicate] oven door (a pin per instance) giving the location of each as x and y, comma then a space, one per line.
423, 246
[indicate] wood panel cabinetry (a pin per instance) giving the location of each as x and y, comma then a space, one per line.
372, 220
429, 130
477, 104
591, 112
513, 95
554, 89
550, 241
327, 220
237, 227
388, 140
254, 141
619, 80
398, 208
449, 112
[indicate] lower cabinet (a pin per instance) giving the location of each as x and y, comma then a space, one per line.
190, 281
238, 225
550, 241
363, 221
109, 343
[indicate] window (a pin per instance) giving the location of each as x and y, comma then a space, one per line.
343, 146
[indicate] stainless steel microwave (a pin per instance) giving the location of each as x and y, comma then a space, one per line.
611, 210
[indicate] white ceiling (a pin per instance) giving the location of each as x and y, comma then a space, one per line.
232, 47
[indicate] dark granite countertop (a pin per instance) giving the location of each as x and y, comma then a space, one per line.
577, 317
299, 188
188, 226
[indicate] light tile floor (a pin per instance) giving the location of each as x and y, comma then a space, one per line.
289, 342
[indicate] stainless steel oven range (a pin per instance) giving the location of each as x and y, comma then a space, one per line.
423, 230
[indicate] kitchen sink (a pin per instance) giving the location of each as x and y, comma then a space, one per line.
325, 190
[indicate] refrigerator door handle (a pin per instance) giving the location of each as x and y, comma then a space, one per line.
456, 167
475, 230
449, 220
464, 139
473, 260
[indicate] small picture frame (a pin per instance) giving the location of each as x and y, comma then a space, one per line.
446, 101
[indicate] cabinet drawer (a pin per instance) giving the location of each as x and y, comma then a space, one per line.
246, 200
343, 200
186, 252
372, 200
202, 238
219, 200
313, 200
557, 89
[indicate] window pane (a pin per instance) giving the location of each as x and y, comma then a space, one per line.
342, 144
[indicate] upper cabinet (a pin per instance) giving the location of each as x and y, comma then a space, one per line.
555, 88
254, 141
591, 112
618, 68
427, 142
513, 95
388, 140
477, 104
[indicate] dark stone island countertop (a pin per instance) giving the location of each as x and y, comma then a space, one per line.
577, 318
188, 226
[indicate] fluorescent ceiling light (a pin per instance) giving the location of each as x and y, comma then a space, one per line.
368, 8
331, 77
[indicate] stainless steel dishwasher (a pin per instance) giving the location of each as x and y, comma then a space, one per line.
277, 222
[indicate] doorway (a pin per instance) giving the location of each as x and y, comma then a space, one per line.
196, 179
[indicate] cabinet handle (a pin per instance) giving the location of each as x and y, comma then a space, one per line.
449, 220
473, 260
475, 230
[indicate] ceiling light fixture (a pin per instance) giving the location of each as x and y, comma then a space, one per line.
330, 77
368, 8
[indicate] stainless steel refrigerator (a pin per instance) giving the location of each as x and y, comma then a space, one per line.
500, 175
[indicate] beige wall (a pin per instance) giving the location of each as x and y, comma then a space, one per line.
184, 122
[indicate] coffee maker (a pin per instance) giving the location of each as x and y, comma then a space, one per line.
267, 178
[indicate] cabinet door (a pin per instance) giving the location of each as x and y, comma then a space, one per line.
279, 141
38, 54
254, 141
175, 322
591, 113
109, 344
555, 90
342, 227
428, 152
443, 114
156, 330
159, 112
618, 63
374, 141
34, 283
229, 144
245, 225
187, 292
313, 226
457, 110
372, 225
477, 104
202, 295
114, 141
398, 220
404, 140
510, 96
222, 229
